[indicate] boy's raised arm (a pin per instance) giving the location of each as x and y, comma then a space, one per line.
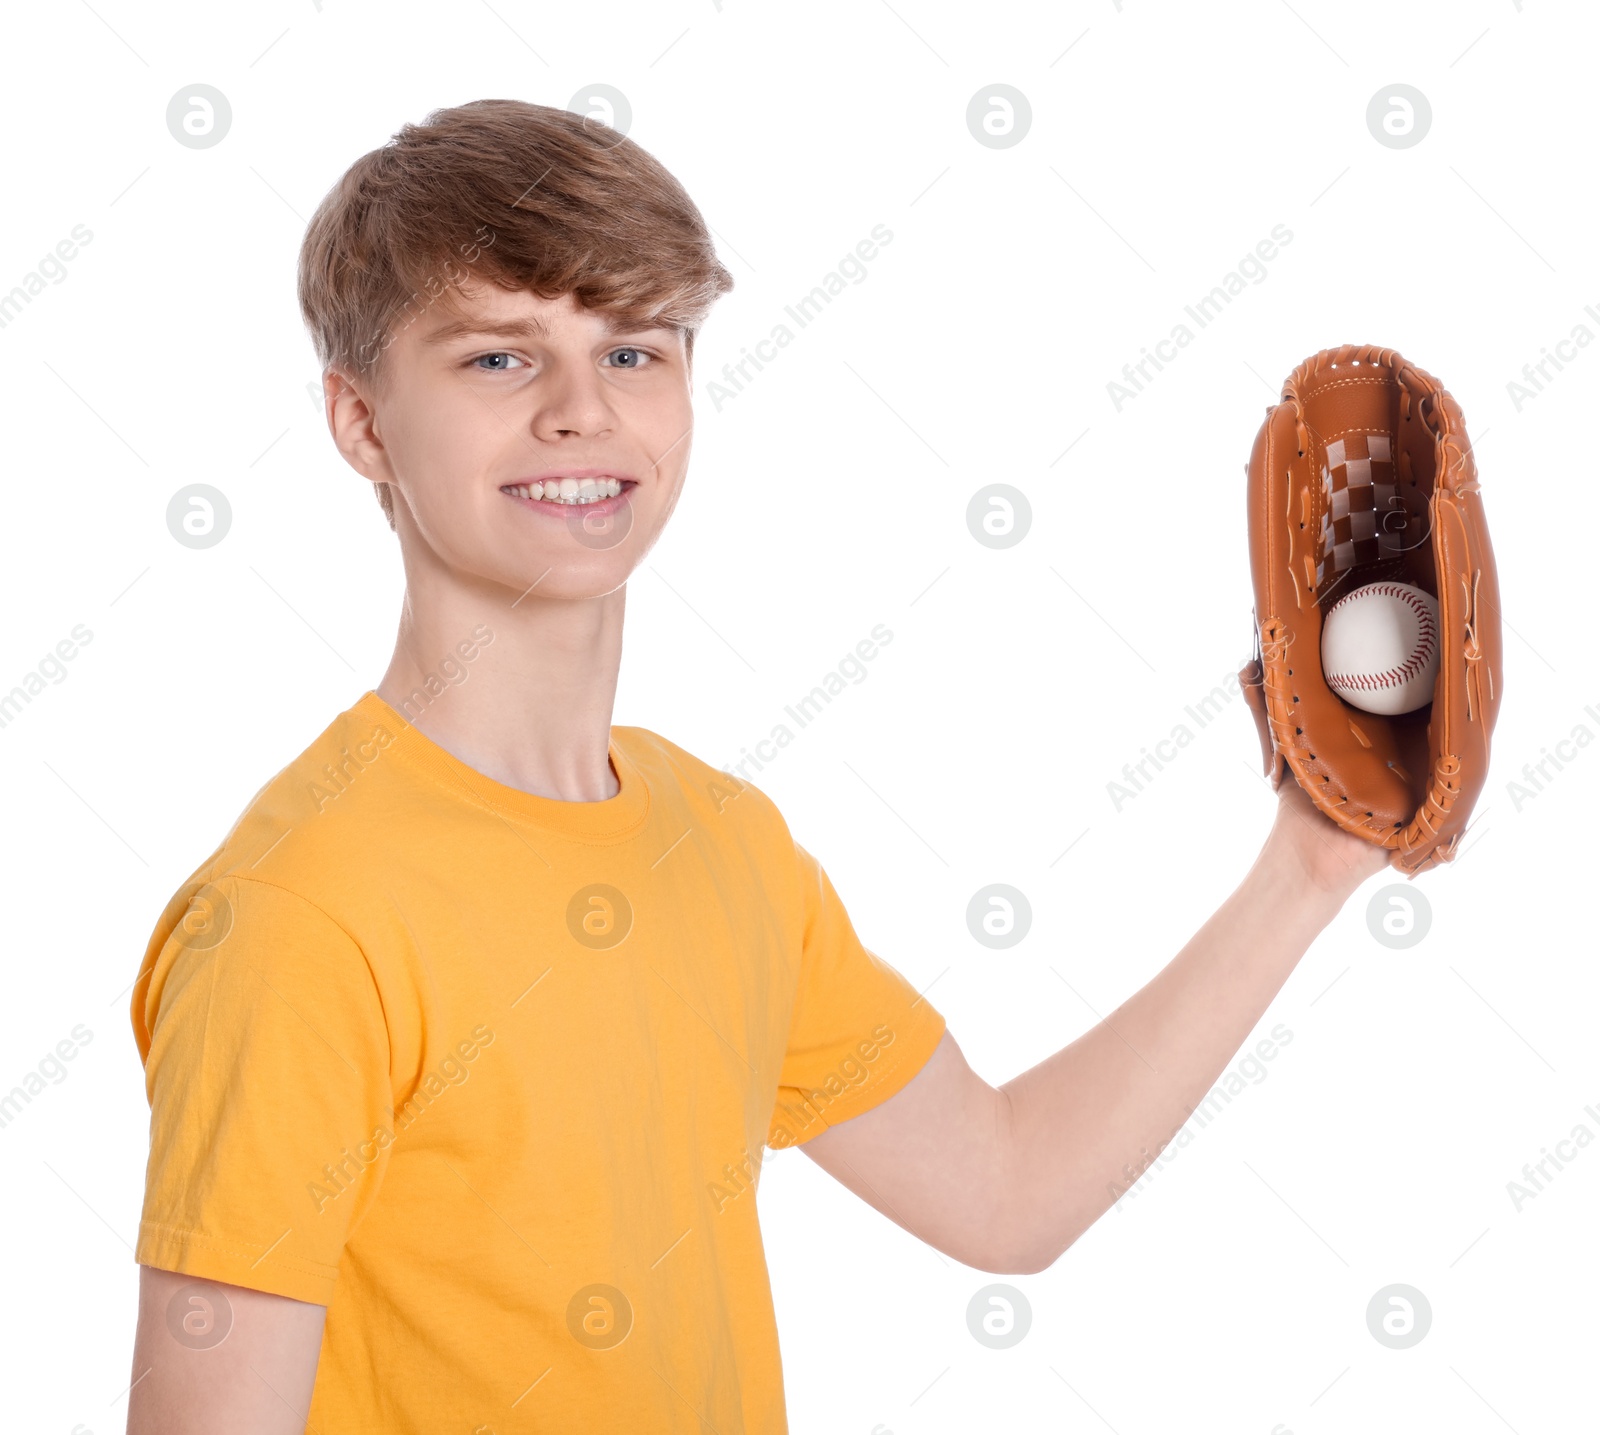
220, 1358
1005, 1179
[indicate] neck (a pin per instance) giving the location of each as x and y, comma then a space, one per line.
520, 689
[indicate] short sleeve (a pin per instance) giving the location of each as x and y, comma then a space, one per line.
267, 1070
859, 1030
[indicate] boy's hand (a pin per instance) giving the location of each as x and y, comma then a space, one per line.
1321, 852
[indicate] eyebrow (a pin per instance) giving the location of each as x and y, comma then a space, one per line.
526, 328
487, 328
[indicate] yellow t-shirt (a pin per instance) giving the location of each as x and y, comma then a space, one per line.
489, 1075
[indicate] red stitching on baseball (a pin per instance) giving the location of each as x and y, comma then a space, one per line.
1427, 633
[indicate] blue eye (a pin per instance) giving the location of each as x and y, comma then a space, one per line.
496, 363
628, 358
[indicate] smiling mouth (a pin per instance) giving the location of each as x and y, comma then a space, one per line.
571, 492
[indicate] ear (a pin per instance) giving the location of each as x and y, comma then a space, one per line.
353, 422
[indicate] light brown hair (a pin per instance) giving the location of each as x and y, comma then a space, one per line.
522, 196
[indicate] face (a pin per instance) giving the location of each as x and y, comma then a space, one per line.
528, 442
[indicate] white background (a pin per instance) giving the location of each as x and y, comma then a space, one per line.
830, 496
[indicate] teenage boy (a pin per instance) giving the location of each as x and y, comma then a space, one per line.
463, 1047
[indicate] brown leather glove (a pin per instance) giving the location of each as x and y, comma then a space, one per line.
1363, 474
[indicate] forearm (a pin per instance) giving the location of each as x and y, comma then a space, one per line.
1086, 1122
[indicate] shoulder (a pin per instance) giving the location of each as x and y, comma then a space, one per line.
698, 793
338, 780
287, 897
224, 942
738, 827
301, 827
668, 767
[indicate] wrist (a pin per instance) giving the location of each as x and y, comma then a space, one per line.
1286, 879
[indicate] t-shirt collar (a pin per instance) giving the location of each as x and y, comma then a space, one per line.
616, 816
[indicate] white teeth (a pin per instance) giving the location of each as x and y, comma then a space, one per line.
569, 490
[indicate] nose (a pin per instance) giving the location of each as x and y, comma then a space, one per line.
572, 401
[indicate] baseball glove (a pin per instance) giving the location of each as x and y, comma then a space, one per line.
1363, 473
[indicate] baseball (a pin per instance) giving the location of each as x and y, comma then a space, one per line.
1380, 648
